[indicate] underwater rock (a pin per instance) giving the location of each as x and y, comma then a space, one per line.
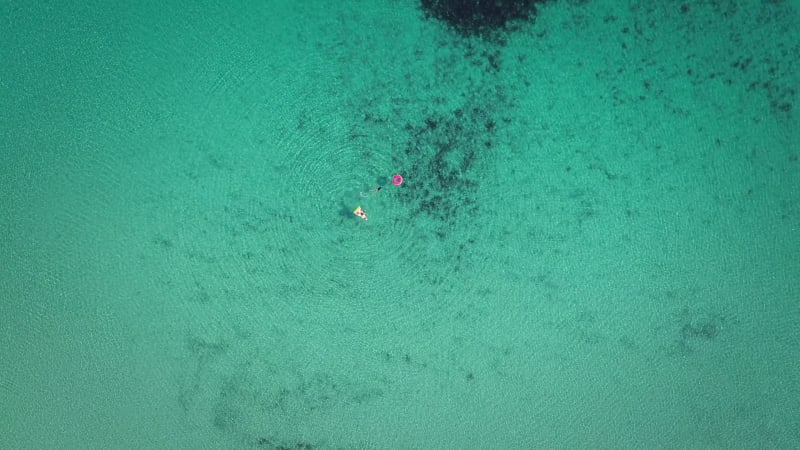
479, 17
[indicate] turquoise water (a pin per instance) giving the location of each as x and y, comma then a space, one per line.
595, 244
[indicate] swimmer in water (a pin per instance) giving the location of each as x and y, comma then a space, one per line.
376, 190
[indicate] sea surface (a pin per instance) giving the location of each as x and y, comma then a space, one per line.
595, 243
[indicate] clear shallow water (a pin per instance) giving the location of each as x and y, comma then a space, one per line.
594, 244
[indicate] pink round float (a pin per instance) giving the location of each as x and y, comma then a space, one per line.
397, 180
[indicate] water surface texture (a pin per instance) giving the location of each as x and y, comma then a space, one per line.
595, 244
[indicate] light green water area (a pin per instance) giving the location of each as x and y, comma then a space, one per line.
595, 244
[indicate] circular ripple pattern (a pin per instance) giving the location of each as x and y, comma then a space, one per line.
324, 248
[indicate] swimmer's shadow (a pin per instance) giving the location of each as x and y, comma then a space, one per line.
345, 211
